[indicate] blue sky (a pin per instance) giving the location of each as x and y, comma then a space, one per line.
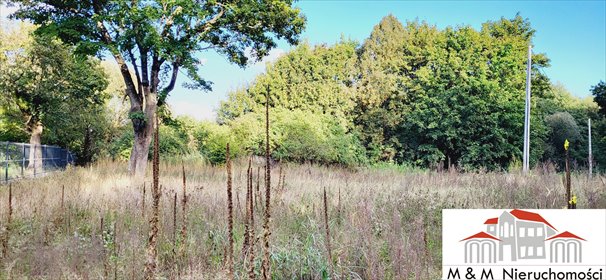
571, 33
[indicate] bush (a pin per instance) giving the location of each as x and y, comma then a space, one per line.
308, 137
296, 136
212, 140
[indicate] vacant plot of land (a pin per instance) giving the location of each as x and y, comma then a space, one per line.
384, 224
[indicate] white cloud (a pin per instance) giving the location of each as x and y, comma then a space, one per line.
273, 55
5, 11
196, 111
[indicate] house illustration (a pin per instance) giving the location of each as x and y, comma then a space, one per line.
520, 235
481, 248
565, 248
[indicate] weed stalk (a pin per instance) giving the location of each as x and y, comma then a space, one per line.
327, 229
571, 205
230, 217
152, 250
251, 232
265, 267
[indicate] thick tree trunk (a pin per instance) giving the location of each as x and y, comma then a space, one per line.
35, 151
87, 153
143, 95
143, 132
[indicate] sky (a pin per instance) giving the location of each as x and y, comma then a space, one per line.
571, 33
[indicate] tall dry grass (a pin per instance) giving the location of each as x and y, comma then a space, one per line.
376, 224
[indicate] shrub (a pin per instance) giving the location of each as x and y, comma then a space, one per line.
296, 136
212, 139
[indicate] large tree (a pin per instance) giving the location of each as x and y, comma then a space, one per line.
599, 96
42, 82
388, 62
315, 79
153, 41
455, 95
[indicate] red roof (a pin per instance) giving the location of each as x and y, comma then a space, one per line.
481, 234
566, 234
492, 221
529, 216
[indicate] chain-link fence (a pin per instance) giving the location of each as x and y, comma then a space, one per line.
20, 160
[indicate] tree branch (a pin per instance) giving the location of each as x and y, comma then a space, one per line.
204, 28
144, 65
155, 72
173, 79
128, 80
169, 21
133, 61
209, 24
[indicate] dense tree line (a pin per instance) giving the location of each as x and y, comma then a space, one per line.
414, 94
409, 94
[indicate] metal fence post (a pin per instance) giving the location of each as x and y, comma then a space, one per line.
23, 162
6, 164
35, 145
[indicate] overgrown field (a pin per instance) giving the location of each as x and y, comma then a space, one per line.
384, 223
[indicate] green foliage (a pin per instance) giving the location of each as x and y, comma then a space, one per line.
411, 94
306, 137
297, 136
212, 141
160, 39
120, 147
385, 61
599, 127
562, 127
168, 31
315, 79
138, 115
444, 96
43, 83
599, 96
415, 94
599, 143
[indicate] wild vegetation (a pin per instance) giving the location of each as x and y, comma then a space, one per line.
410, 94
414, 94
384, 223
368, 142
151, 41
41, 81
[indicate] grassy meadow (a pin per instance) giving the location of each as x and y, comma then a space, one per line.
385, 223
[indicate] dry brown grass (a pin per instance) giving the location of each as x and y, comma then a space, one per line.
383, 213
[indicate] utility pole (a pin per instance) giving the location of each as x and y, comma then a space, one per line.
526, 157
590, 157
